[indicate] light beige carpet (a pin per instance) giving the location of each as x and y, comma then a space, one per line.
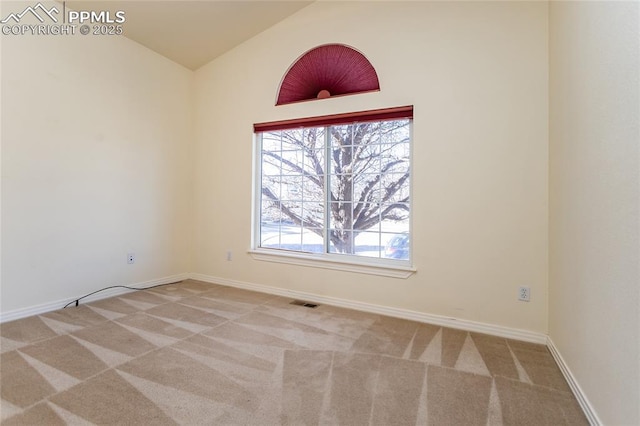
194, 353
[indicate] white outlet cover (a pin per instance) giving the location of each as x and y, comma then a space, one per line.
524, 294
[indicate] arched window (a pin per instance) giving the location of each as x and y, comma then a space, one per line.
326, 71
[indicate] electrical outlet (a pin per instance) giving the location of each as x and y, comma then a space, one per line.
229, 255
524, 294
131, 258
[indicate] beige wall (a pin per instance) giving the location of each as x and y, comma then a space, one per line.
96, 139
108, 148
594, 301
477, 76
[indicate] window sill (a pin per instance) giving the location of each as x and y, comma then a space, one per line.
303, 259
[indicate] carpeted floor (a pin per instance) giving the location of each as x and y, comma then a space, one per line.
194, 353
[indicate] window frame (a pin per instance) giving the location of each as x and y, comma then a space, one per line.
344, 262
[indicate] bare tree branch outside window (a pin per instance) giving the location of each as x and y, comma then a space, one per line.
348, 183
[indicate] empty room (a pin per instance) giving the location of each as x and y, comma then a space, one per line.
320, 212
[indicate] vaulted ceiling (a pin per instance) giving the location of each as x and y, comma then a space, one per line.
192, 33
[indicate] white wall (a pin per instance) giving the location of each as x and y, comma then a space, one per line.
96, 156
594, 300
477, 74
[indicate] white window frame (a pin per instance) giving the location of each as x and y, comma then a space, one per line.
341, 262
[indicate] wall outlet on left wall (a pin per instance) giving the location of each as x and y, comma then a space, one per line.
131, 258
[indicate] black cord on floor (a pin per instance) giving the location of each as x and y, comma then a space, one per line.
77, 301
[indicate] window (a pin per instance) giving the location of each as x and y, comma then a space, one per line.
337, 186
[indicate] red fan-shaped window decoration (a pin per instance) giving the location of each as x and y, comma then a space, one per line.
328, 70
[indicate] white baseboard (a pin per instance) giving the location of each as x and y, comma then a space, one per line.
495, 330
586, 406
53, 306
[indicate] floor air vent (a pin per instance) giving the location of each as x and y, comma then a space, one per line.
303, 303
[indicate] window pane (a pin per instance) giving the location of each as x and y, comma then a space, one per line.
313, 189
341, 149
367, 187
270, 234
395, 188
271, 164
292, 162
391, 163
366, 216
341, 187
291, 187
270, 224
394, 131
368, 244
269, 210
396, 246
341, 216
291, 212
313, 240
368, 150
313, 138
341, 241
314, 162
292, 139
313, 215
290, 237
395, 221
271, 141
271, 187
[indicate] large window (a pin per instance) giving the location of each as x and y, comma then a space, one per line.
336, 185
